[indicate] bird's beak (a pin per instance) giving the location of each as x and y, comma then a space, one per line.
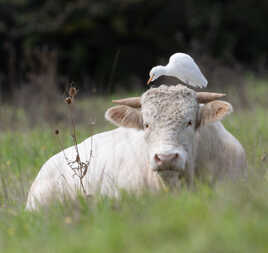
150, 79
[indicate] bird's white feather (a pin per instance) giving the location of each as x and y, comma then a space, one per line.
184, 67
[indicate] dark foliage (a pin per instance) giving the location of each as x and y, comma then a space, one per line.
100, 43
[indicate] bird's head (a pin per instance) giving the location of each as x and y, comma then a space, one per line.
155, 73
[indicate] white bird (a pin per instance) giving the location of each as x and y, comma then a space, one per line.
183, 67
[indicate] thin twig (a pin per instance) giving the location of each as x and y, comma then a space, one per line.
4, 186
78, 167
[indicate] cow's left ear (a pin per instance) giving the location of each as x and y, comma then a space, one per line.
125, 116
213, 111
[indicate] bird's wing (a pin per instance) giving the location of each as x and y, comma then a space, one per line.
187, 70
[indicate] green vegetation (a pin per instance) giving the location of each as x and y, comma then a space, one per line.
229, 218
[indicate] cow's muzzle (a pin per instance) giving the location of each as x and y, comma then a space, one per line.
167, 162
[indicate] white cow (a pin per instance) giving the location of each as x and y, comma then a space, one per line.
162, 137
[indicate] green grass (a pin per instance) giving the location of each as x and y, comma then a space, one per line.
229, 218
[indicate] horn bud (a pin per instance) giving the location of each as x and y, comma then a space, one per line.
134, 102
206, 97
202, 98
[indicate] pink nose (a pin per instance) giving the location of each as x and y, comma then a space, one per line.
161, 158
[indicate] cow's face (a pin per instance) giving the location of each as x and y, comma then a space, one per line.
169, 117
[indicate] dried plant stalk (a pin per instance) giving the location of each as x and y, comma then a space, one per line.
78, 167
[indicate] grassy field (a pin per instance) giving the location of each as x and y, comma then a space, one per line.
229, 218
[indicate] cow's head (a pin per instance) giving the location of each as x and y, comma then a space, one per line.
170, 116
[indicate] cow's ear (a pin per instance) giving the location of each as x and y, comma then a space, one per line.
213, 111
125, 116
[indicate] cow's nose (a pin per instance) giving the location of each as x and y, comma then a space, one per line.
163, 158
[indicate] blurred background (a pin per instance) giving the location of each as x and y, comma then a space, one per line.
105, 47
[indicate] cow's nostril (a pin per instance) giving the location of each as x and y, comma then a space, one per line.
165, 158
157, 158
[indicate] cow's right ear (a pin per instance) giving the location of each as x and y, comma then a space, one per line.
125, 116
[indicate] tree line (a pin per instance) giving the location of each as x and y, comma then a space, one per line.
102, 44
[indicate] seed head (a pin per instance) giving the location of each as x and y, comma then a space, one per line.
264, 157
72, 91
68, 100
57, 131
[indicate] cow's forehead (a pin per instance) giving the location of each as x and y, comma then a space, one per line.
168, 97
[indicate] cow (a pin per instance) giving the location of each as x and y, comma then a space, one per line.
164, 138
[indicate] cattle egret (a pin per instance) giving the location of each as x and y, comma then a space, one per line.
183, 67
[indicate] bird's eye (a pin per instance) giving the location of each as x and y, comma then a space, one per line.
189, 123
146, 125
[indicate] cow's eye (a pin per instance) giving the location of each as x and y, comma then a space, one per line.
146, 125
189, 123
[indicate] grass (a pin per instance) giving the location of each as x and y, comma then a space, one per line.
229, 218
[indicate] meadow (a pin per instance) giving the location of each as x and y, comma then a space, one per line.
226, 218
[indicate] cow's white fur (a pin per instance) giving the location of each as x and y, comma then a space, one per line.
121, 160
